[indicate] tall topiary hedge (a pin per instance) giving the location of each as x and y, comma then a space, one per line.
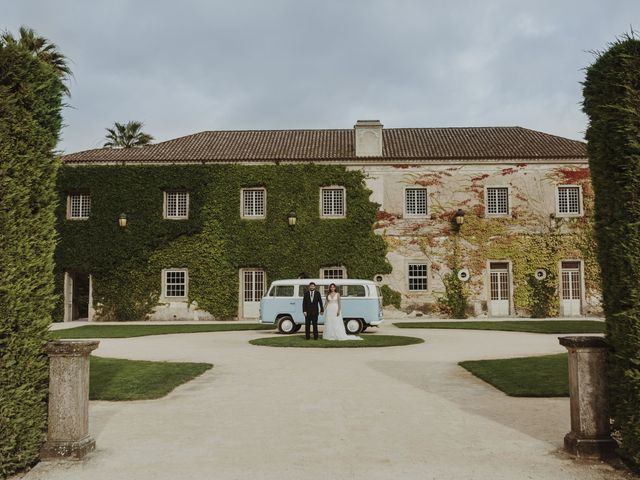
30, 103
215, 242
612, 102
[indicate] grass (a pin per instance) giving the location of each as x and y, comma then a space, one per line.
540, 326
367, 341
124, 331
119, 379
545, 376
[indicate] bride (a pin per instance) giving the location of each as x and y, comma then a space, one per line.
333, 323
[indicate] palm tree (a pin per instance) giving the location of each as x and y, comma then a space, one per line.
41, 48
127, 135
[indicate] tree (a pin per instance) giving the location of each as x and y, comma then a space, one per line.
127, 135
31, 93
41, 48
612, 102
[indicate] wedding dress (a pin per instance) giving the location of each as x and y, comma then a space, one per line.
333, 323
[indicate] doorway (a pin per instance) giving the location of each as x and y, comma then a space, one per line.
570, 289
77, 296
252, 285
499, 287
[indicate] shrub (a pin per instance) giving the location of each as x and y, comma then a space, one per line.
455, 297
612, 102
543, 295
30, 103
391, 296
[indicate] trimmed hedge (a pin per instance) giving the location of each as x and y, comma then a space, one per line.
612, 102
215, 242
30, 121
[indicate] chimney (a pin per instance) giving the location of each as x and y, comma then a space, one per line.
368, 138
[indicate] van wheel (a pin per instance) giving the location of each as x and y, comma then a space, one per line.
353, 326
297, 327
364, 328
286, 325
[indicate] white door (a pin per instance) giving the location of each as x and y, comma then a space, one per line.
68, 297
499, 286
253, 285
571, 282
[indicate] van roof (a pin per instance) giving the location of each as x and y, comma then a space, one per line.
322, 281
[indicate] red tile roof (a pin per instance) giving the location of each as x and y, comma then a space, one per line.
474, 143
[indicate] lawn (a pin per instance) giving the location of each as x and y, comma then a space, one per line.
123, 331
539, 326
367, 341
119, 379
544, 376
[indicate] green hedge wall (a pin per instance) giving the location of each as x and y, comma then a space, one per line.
214, 243
612, 102
30, 121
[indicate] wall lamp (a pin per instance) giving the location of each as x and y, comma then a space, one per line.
459, 218
122, 220
292, 219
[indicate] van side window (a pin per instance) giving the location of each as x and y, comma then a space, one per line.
283, 291
354, 291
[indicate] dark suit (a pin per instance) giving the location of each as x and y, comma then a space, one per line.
311, 308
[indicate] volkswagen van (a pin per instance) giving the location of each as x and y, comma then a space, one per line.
361, 303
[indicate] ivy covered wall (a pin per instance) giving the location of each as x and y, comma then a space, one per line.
215, 242
532, 237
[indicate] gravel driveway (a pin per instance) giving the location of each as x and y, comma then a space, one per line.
376, 413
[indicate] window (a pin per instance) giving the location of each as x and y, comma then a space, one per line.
78, 206
415, 202
333, 273
417, 277
282, 291
497, 200
332, 202
174, 283
354, 291
176, 205
253, 202
569, 201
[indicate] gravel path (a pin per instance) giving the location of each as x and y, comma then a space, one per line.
378, 413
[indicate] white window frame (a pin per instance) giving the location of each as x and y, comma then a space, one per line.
82, 201
342, 269
580, 203
264, 205
410, 262
165, 203
344, 201
486, 201
426, 199
184, 297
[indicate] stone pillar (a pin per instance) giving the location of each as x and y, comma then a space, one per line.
590, 429
68, 423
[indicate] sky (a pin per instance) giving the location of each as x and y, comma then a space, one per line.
187, 66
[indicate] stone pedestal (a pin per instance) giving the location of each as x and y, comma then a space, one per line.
590, 428
68, 423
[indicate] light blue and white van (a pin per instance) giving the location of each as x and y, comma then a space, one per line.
361, 303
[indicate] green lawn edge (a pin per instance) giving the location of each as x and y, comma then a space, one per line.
127, 331
368, 341
540, 376
117, 379
538, 326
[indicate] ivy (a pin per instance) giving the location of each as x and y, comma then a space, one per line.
391, 296
215, 242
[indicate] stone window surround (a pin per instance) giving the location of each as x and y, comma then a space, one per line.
164, 205
264, 206
417, 261
415, 215
486, 202
82, 195
580, 202
163, 296
344, 201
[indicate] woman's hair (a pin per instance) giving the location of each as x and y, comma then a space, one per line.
329, 289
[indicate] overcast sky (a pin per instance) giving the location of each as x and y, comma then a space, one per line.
185, 66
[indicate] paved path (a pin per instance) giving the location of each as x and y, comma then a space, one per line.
386, 413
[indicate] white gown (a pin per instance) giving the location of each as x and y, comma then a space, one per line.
333, 323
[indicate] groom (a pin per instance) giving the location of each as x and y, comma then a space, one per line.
311, 303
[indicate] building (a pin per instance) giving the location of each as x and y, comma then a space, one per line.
503, 212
